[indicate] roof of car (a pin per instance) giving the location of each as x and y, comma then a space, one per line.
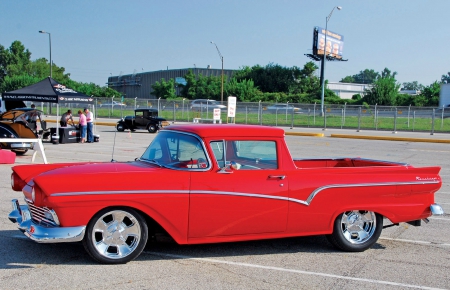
14, 113
228, 130
146, 109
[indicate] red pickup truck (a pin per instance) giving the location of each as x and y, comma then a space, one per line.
219, 183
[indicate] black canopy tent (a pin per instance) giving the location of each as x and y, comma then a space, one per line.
50, 91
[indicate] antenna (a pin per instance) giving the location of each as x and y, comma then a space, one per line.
114, 145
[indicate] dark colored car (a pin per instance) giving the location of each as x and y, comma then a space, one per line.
146, 119
16, 123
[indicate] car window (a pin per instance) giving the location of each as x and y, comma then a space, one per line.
250, 155
177, 150
139, 114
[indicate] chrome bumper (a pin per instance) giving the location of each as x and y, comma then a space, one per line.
436, 209
20, 214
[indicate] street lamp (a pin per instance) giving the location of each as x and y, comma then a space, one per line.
221, 58
50, 44
322, 96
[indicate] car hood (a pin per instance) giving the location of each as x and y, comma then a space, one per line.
110, 176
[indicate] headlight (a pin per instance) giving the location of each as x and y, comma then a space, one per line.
33, 194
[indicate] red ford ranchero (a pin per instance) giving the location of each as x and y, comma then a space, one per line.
219, 183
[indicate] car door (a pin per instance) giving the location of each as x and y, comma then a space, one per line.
251, 199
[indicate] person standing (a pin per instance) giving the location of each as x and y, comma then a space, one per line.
83, 125
65, 118
90, 125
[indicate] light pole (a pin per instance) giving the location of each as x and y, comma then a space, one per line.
322, 95
50, 44
221, 58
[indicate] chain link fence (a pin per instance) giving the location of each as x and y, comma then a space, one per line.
386, 118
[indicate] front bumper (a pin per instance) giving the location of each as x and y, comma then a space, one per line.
21, 215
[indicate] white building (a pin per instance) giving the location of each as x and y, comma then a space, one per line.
347, 90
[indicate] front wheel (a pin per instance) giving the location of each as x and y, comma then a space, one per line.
356, 230
152, 128
116, 236
120, 127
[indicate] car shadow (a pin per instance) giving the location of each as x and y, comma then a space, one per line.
20, 252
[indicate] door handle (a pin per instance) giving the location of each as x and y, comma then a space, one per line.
277, 176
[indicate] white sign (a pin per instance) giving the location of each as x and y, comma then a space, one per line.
231, 107
216, 115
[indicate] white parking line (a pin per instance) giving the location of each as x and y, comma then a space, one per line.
291, 271
442, 219
416, 242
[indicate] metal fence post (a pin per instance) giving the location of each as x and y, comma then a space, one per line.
292, 118
324, 118
409, 111
395, 122
314, 114
414, 120
174, 112
342, 117
432, 124
359, 120
309, 115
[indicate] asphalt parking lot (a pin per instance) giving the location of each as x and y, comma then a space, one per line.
405, 257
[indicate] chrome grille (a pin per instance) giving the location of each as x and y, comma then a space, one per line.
38, 215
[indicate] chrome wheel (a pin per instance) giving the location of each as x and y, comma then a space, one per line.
116, 236
356, 230
358, 226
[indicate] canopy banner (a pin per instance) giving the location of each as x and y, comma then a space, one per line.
48, 90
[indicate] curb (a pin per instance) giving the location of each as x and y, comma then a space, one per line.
390, 138
304, 134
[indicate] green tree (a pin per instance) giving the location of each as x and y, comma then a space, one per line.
367, 76
430, 94
445, 79
415, 86
245, 90
14, 60
384, 90
11, 83
164, 89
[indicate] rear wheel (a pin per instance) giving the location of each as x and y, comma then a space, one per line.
116, 236
356, 230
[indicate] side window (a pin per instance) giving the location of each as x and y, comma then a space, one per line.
139, 114
249, 155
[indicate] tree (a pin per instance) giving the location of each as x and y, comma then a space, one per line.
384, 90
414, 86
14, 60
164, 89
445, 79
431, 94
367, 76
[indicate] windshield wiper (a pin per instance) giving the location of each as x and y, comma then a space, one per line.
153, 161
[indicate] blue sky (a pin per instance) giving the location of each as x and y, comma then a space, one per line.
95, 39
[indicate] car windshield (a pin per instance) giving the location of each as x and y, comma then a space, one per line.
177, 150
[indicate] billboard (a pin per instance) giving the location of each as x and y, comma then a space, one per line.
334, 45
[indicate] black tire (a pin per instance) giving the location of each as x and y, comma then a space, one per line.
20, 152
116, 235
120, 128
356, 230
152, 128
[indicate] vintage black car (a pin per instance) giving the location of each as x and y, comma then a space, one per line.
21, 123
143, 119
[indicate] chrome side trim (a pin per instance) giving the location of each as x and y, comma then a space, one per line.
42, 234
316, 191
436, 209
304, 202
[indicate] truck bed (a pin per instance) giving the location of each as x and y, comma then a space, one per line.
343, 162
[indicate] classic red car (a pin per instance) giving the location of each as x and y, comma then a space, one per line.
219, 183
